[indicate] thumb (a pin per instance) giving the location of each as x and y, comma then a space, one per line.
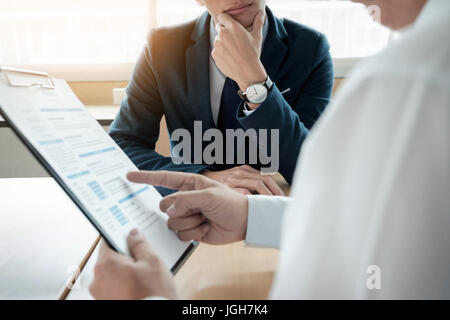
258, 24
138, 245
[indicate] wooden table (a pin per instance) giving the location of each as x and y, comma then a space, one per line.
227, 272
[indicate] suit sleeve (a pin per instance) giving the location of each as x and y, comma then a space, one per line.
294, 121
136, 127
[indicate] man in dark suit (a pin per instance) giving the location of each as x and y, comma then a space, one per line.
237, 66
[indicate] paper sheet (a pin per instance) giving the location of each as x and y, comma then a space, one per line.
90, 163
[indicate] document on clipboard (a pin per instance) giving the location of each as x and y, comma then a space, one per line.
85, 161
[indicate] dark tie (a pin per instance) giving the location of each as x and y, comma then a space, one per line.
229, 104
227, 120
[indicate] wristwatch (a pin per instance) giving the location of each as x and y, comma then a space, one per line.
257, 92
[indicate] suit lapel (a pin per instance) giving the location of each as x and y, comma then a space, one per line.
197, 73
274, 50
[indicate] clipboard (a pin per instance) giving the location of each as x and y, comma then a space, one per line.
40, 83
30, 78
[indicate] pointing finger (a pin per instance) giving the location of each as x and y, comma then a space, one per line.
172, 180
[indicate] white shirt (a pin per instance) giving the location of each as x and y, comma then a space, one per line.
372, 189
217, 78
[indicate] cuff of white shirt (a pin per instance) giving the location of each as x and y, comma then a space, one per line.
247, 111
265, 214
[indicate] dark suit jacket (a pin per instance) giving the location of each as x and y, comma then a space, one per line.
171, 78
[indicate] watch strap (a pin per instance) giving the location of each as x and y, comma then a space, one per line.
268, 83
243, 96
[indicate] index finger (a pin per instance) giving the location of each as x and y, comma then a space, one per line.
173, 180
227, 20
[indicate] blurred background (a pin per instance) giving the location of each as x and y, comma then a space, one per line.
73, 34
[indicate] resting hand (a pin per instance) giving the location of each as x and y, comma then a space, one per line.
246, 180
204, 210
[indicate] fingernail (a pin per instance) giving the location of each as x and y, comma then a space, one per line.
134, 232
171, 210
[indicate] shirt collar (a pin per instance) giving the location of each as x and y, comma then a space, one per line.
213, 32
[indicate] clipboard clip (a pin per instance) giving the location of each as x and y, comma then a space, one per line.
27, 78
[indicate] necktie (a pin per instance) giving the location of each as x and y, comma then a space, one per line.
229, 104
227, 120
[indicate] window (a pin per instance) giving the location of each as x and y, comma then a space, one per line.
349, 29
101, 39
72, 31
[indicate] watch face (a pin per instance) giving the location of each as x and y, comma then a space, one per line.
256, 93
